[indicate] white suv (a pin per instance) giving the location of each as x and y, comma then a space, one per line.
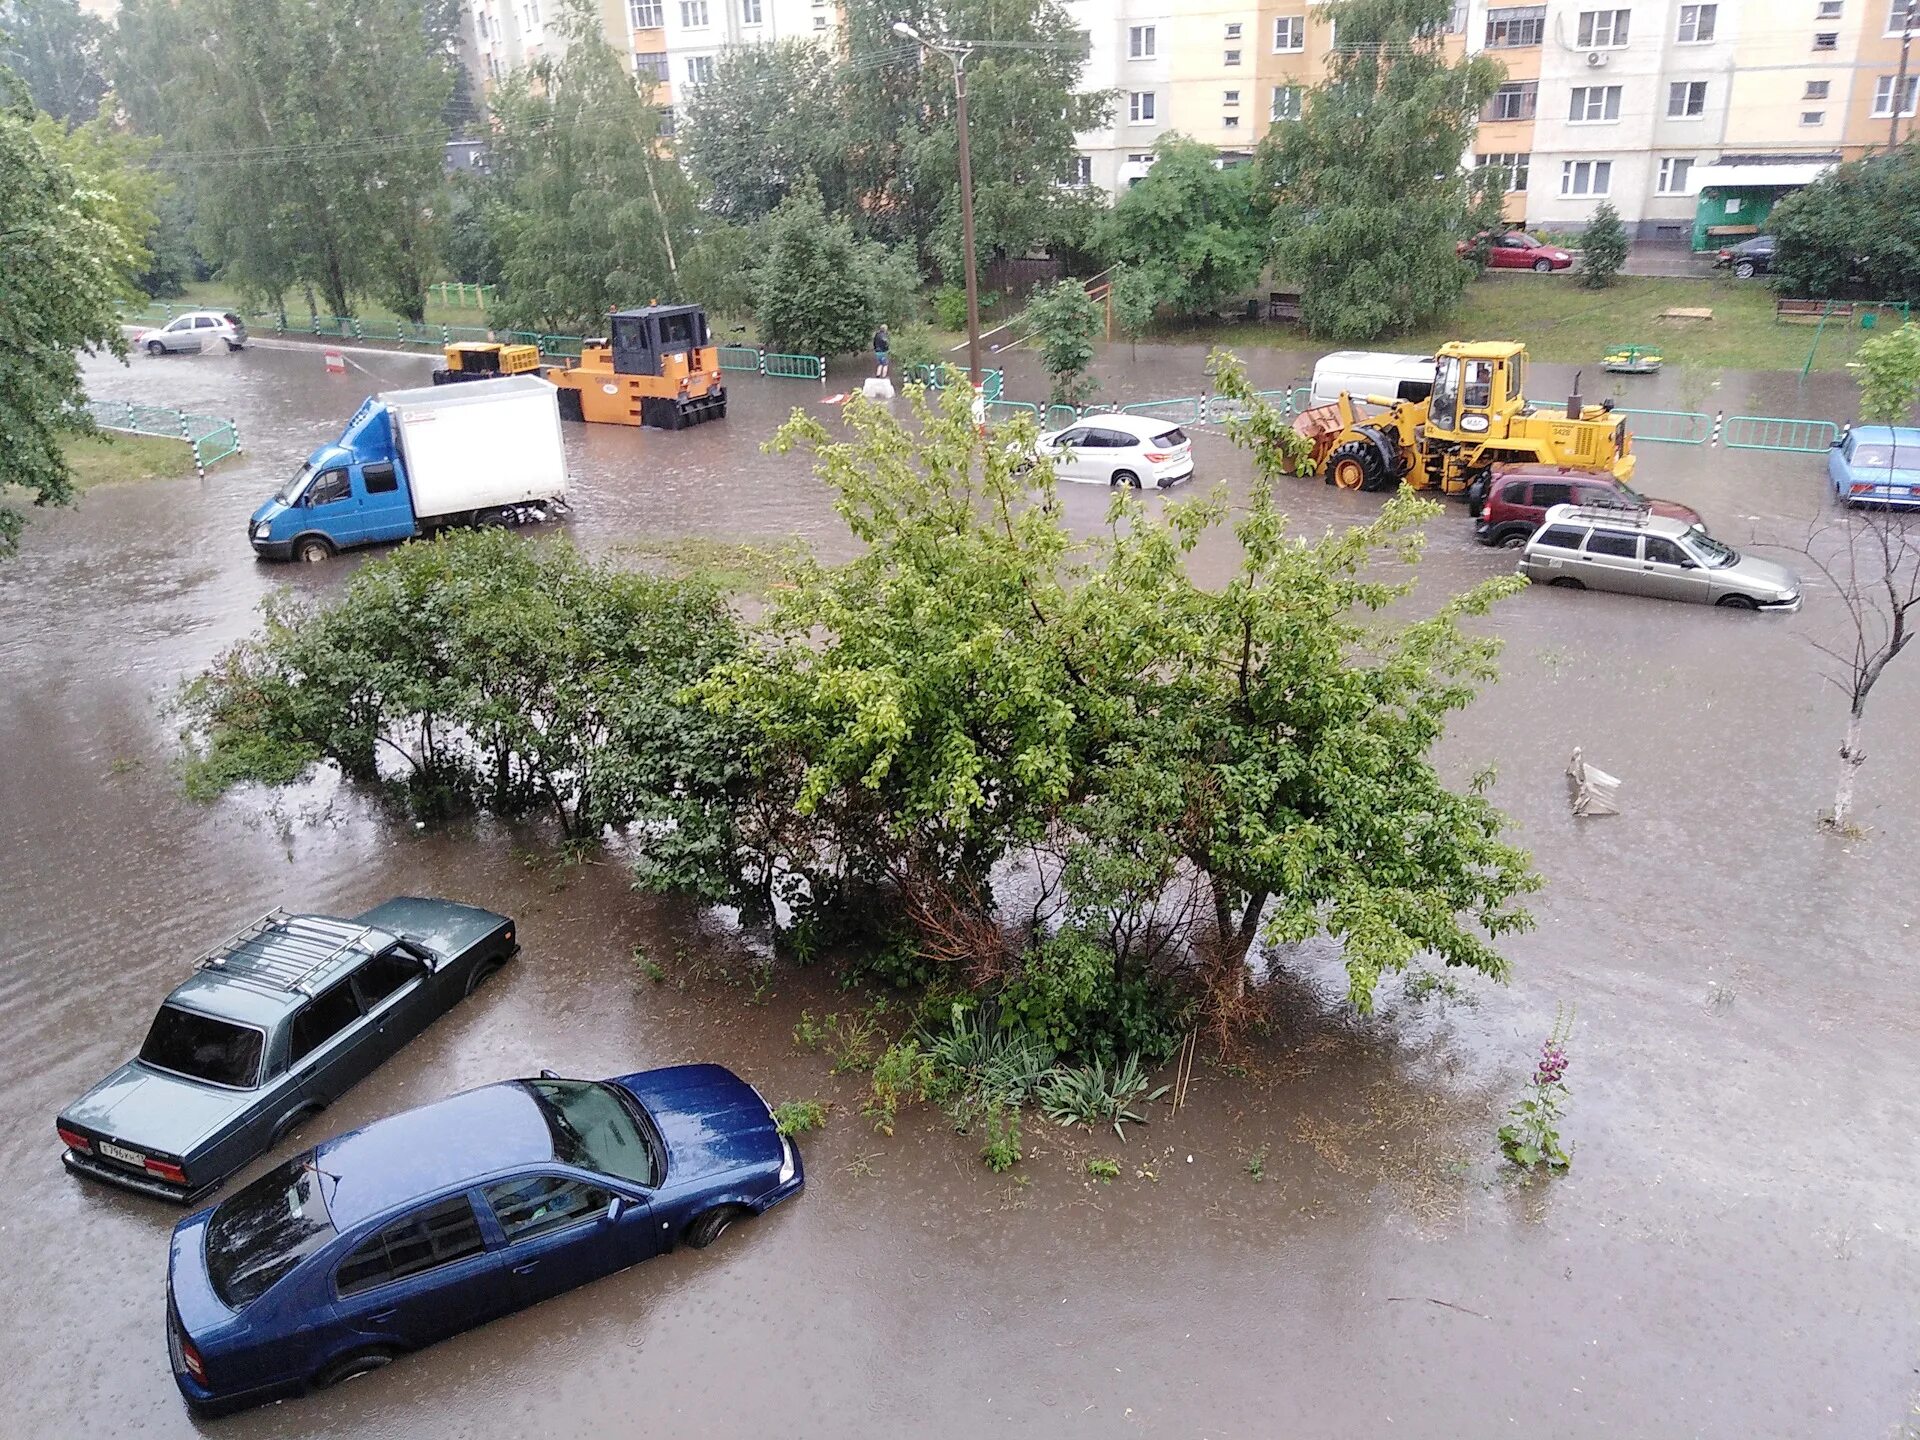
192, 331
1112, 449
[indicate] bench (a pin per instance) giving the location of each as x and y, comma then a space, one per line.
1785, 309
1283, 305
1731, 232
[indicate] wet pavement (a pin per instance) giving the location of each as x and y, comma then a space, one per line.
1735, 1252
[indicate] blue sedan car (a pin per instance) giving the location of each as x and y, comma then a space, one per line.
1877, 465
386, 1239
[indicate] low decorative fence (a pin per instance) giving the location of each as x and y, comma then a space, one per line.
1669, 427
211, 438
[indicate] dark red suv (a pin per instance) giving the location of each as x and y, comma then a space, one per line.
1519, 495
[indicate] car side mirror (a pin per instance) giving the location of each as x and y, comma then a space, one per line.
616, 1207
549, 1074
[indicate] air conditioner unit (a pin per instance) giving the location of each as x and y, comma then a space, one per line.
1596, 58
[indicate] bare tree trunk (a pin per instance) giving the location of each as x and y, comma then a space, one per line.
1852, 757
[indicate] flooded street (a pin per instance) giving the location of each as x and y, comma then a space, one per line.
1325, 1245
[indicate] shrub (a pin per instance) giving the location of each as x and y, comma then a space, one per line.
1002, 1151
1604, 247
1089, 1095
950, 307
1103, 1169
798, 1117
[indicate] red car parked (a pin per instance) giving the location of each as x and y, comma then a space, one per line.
1519, 496
1517, 250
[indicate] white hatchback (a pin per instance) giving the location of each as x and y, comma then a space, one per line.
193, 332
1108, 449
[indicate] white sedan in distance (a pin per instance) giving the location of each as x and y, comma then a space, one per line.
1107, 449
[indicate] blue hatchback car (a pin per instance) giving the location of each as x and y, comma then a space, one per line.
386, 1239
1877, 465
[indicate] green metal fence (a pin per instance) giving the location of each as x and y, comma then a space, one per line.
1669, 427
1187, 410
744, 358
1057, 417
1006, 409
212, 439
1775, 432
456, 292
795, 367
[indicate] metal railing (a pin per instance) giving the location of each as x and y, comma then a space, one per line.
795, 367
211, 438
1186, 410
1669, 427
1777, 432
744, 358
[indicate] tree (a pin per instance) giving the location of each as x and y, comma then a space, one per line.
1368, 195
311, 138
1189, 228
768, 120
589, 214
1851, 231
55, 49
1604, 248
1889, 374
65, 253
1064, 321
820, 290
1134, 301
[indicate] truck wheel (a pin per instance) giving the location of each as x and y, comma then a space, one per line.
312, 550
1355, 466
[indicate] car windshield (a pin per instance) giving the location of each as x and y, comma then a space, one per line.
256, 1236
202, 1048
597, 1128
290, 491
1711, 552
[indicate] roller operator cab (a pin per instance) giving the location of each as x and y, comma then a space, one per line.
1476, 416
657, 366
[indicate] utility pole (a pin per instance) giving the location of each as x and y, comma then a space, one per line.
956, 55
1900, 84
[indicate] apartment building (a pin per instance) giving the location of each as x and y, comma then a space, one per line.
1691, 118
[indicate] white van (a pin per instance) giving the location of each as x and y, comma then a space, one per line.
1361, 373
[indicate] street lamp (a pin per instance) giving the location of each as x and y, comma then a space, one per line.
956, 56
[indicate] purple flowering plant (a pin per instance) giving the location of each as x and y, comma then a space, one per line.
1531, 1136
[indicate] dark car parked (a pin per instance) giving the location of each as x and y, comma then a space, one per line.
1748, 258
387, 1239
1519, 497
272, 1027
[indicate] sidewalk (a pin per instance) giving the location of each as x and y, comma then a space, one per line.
1668, 260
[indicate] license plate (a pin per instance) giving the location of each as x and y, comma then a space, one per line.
122, 1154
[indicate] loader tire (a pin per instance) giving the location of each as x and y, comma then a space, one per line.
1356, 465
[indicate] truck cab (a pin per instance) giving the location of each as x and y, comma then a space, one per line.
1476, 388
351, 492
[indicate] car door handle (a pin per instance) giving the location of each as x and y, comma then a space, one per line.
526, 1269
380, 1315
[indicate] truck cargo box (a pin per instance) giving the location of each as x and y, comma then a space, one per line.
476, 446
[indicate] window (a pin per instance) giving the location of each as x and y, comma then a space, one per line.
1286, 102
386, 972
1585, 177
1140, 42
1662, 551
693, 15
1549, 494
541, 1203
644, 14
1514, 101
1231, 97
1518, 28
380, 479
1233, 30
1686, 99
594, 1129
1289, 33
1146, 159
425, 1240
651, 67
1828, 10
1603, 29
1082, 173
1817, 89
750, 12
1514, 493
1696, 24
259, 1234
819, 22
320, 1019
1883, 94
203, 1048
1813, 117
1140, 107
1674, 171
699, 69
204, 322
1898, 13
1515, 166
328, 486
1229, 122
1560, 537
1826, 40
1594, 103
1232, 57
1606, 542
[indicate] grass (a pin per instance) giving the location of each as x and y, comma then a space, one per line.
1563, 324
729, 566
217, 294
113, 459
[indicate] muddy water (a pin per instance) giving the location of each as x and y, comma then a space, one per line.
1734, 1254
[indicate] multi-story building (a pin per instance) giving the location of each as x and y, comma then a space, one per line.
1691, 118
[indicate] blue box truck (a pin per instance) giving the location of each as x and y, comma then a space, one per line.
414, 461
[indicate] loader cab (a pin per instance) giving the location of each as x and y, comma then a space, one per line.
644, 340
1476, 389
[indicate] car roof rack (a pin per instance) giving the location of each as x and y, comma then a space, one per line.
1636, 515
302, 947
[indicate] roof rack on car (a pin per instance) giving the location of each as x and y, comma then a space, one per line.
303, 946
1612, 514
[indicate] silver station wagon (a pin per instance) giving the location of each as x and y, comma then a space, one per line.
1639, 553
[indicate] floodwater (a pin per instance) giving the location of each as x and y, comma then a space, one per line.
1323, 1245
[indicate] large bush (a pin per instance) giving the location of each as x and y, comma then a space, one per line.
1854, 231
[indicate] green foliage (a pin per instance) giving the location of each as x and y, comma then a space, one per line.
1064, 320
799, 1117
820, 290
1103, 1169
1189, 230
718, 269
471, 254
284, 117
950, 307
65, 254
586, 212
1889, 375
1091, 1095
764, 126
1134, 301
1851, 232
1531, 1137
808, 1032
850, 1040
1367, 192
1002, 1149
1257, 1165
914, 345
1069, 993
477, 670
56, 49
901, 1075
1604, 249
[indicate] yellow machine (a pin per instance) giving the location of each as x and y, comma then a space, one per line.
657, 367
1476, 416
487, 360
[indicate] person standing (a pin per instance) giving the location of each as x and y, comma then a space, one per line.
882, 343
